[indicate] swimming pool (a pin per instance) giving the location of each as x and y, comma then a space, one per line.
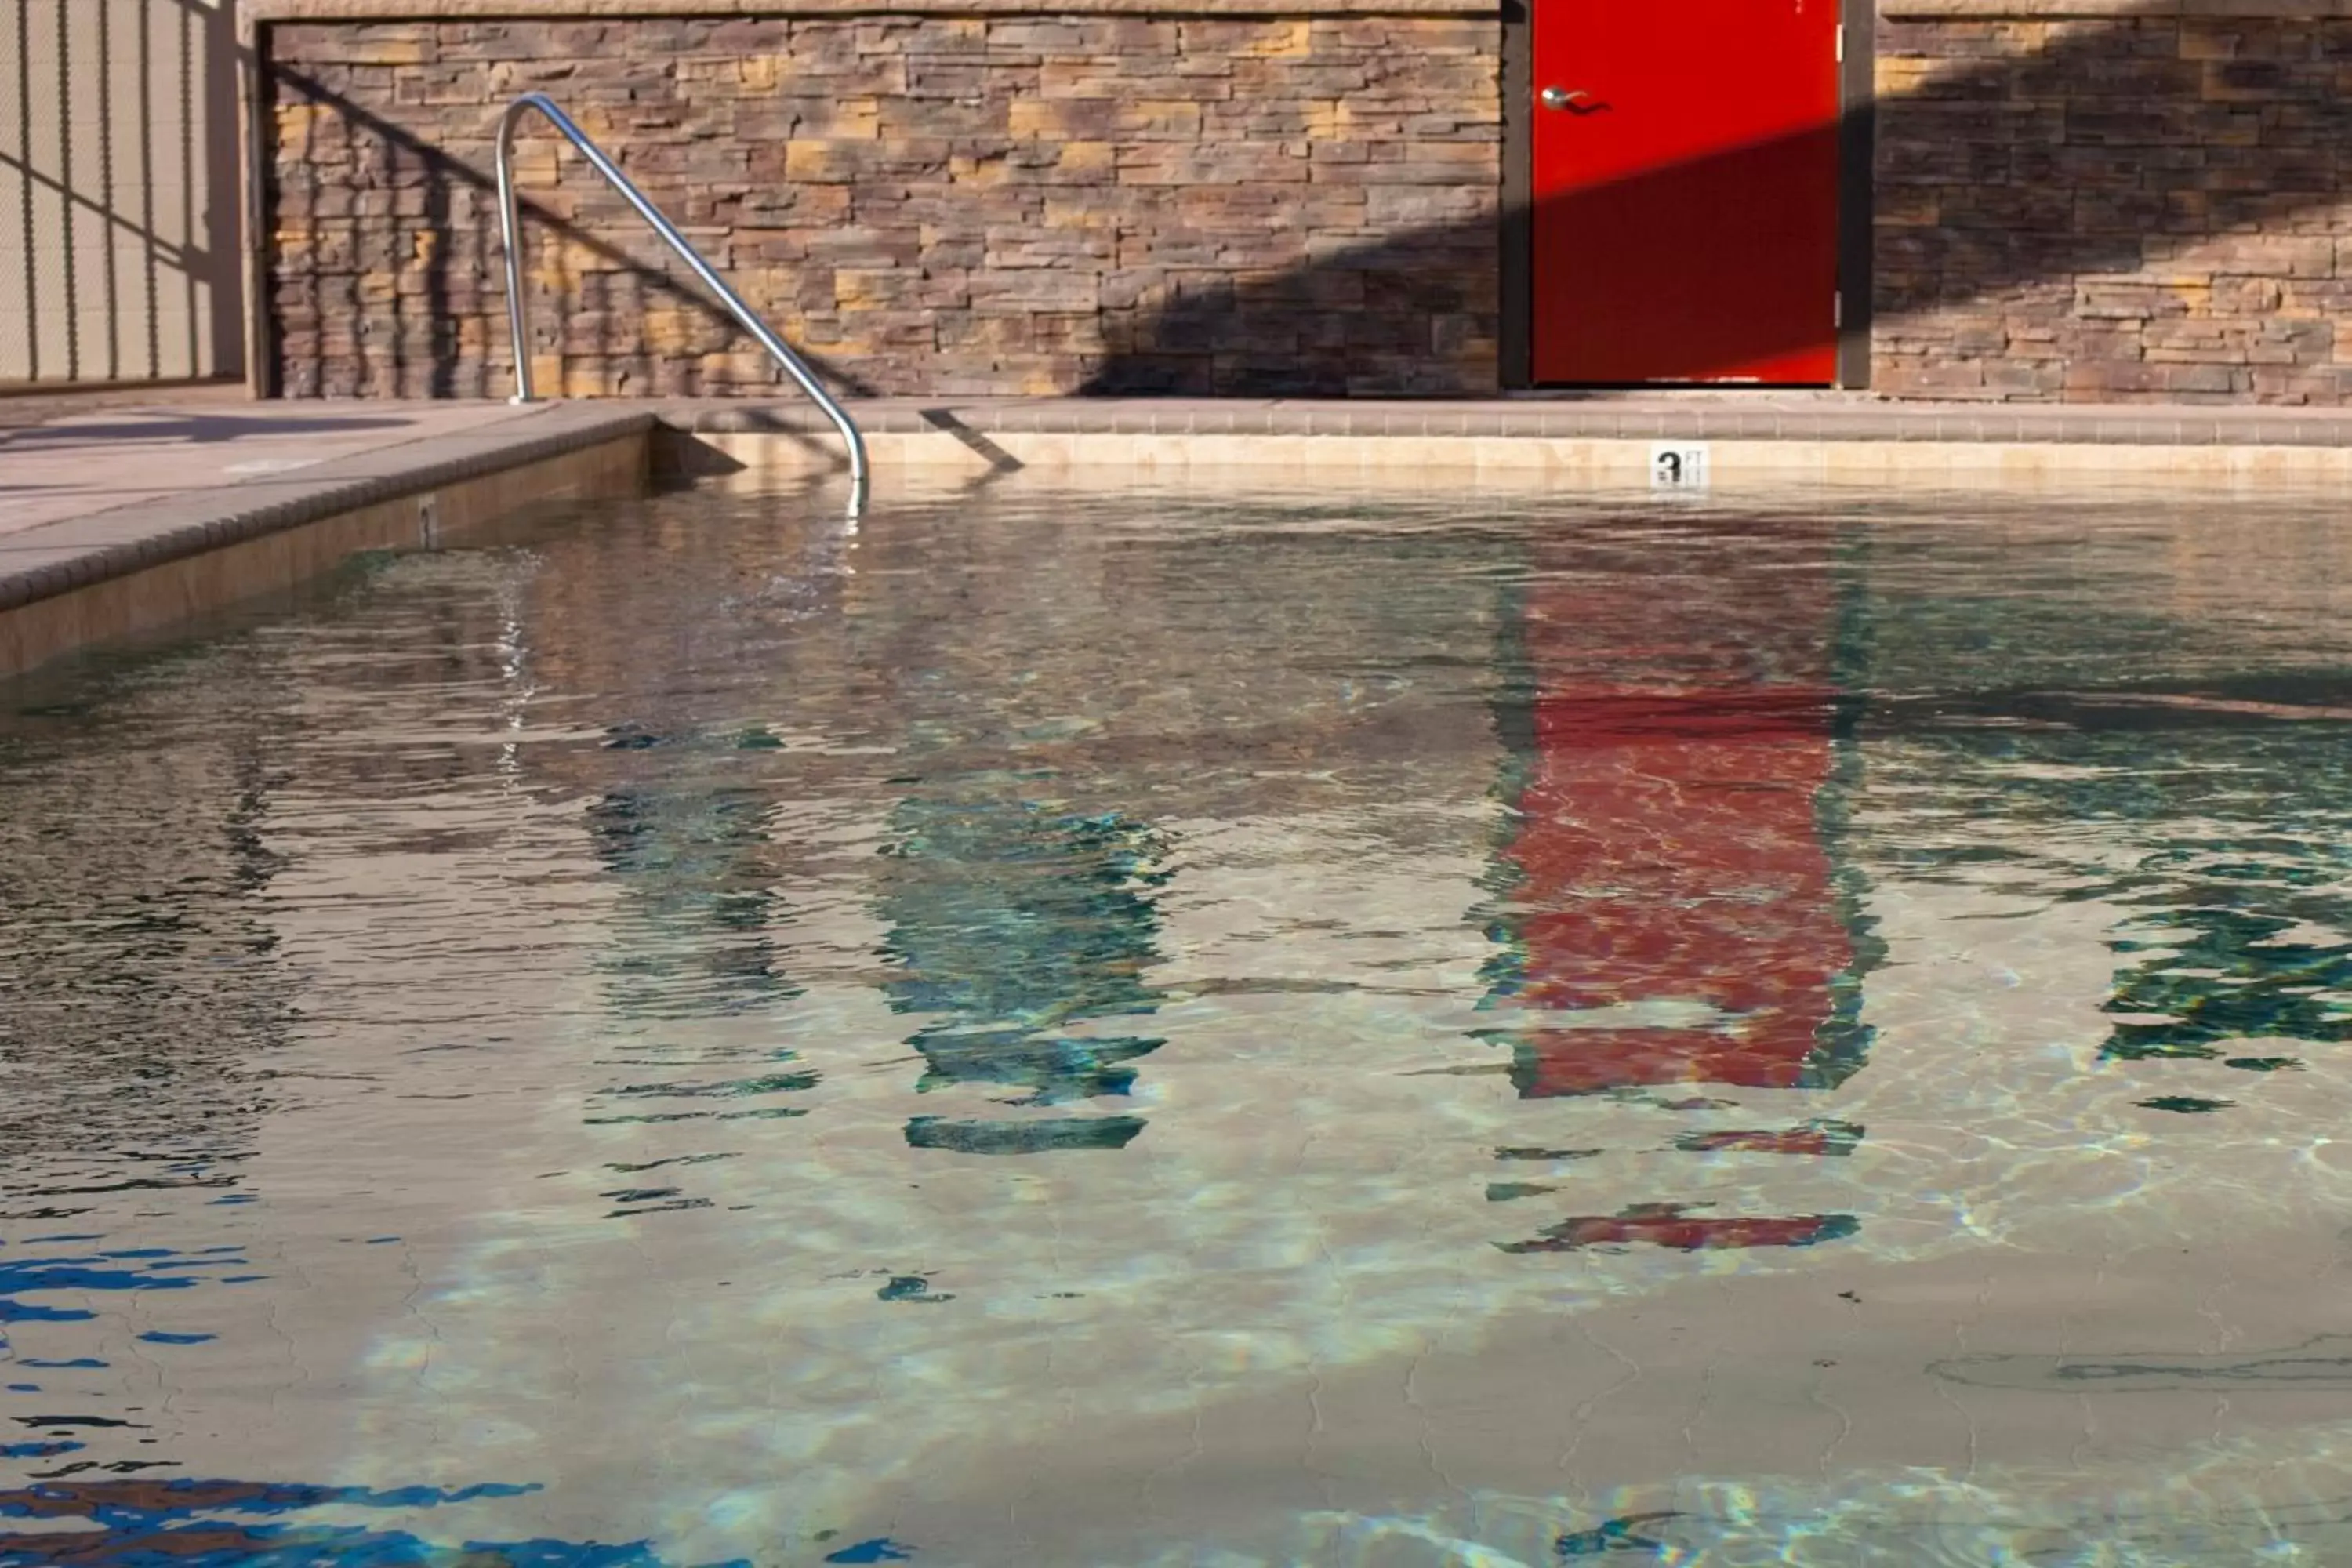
1198, 1028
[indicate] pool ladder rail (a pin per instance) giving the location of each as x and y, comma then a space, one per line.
508, 230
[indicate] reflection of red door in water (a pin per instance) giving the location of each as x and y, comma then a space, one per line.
1672, 885
1685, 190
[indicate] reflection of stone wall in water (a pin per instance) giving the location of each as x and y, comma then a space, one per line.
137, 980
2165, 737
699, 901
694, 939
2225, 974
2226, 831
1016, 925
1675, 916
682, 794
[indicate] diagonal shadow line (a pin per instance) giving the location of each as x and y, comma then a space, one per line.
445, 166
170, 250
2012, 206
999, 461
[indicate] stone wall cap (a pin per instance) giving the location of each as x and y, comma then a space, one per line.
2109, 10
253, 11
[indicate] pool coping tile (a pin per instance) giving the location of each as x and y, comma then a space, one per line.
1697, 417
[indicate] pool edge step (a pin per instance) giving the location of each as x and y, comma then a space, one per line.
137, 568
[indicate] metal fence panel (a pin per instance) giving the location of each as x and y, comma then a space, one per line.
117, 191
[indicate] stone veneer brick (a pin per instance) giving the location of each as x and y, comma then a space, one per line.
2115, 210
940, 205
2114, 207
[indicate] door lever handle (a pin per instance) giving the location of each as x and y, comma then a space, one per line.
1562, 97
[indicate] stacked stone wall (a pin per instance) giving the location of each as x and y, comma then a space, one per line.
927, 205
2113, 208
2140, 204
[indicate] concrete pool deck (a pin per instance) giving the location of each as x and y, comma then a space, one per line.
105, 460
120, 515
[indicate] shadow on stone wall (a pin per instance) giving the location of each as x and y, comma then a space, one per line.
2139, 207
1328, 329
2143, 206
444, 333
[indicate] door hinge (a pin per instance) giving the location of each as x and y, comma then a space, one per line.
1837, 309
1841, 43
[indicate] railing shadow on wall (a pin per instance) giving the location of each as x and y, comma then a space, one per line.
117, 135
2050, 188
444, 339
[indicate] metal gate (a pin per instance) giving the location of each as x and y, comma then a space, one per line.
117, 191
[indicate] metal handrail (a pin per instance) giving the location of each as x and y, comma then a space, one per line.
743, 313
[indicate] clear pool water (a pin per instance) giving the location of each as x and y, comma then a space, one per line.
1170, 1028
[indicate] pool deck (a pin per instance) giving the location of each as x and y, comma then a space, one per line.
101, 486
87, 463
130, 484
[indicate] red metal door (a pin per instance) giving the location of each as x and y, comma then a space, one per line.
1685, 189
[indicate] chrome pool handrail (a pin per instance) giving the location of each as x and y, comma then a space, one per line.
744, 315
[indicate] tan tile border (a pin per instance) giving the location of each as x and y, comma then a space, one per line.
920, 460
74, 551
1633, 417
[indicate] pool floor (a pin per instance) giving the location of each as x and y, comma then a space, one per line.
1197, 1027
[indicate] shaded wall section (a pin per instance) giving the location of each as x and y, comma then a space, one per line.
2113, 208
118, 256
